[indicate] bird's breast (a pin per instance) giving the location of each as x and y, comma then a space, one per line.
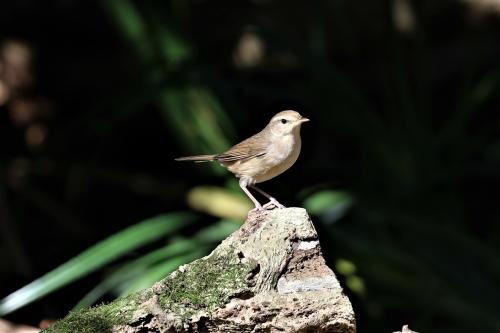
282, 148
281, 155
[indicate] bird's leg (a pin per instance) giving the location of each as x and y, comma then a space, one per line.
257, 204
272, 201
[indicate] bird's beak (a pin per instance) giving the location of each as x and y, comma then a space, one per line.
303, 120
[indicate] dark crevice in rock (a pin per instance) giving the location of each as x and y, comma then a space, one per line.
202, 325
142, 321
148, 330
247, 294
253, 272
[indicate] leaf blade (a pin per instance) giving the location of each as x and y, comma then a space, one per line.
95, 257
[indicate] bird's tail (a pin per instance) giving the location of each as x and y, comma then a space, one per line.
197, 158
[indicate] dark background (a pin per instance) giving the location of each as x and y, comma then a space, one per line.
400, 164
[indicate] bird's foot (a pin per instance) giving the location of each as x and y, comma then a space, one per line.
273, 202
256, 209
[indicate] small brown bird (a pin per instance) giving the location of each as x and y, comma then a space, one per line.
263, 156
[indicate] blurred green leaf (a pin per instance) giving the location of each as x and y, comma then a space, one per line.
194, 113
135, 268
470, 103
345, 267
356, 284
131, 24
217, 232
95, 257
173, 48
332, 205
191, 111
159, 271
182, 248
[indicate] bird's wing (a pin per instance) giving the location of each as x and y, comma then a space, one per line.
254, 146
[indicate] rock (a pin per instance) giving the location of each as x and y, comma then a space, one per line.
268, 276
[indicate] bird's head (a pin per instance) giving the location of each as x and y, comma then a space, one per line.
286, 122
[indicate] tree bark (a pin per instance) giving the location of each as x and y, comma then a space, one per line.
268, 276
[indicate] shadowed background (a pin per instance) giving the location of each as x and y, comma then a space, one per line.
399, 166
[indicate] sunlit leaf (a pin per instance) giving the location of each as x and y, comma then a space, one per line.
95, 257
219, 202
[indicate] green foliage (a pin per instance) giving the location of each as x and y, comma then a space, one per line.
332, 205
142, 272
95, 257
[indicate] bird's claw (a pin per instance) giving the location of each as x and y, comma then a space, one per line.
274, 202
256, 209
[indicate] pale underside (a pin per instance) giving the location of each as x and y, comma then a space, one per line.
262, 156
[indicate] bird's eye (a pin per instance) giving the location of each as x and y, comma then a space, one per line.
284, 121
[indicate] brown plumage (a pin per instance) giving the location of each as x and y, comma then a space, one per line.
262, 156
197, 158
254, 146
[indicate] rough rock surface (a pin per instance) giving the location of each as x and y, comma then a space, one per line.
269, 276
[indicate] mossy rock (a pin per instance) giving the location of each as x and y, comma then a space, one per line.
192, 291
268, 276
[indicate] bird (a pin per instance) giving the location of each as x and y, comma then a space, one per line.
262, 156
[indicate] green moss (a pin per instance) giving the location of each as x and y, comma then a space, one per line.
205, 285
97, 319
